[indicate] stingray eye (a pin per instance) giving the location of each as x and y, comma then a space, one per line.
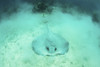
55, 49
47, 48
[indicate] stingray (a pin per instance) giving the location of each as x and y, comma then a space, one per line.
50, 44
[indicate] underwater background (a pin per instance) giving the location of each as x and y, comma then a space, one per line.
77, 21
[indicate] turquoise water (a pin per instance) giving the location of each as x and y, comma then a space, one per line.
18, 30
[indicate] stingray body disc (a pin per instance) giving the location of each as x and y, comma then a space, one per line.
50, 45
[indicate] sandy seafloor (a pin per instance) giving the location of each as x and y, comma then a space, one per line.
19, 30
